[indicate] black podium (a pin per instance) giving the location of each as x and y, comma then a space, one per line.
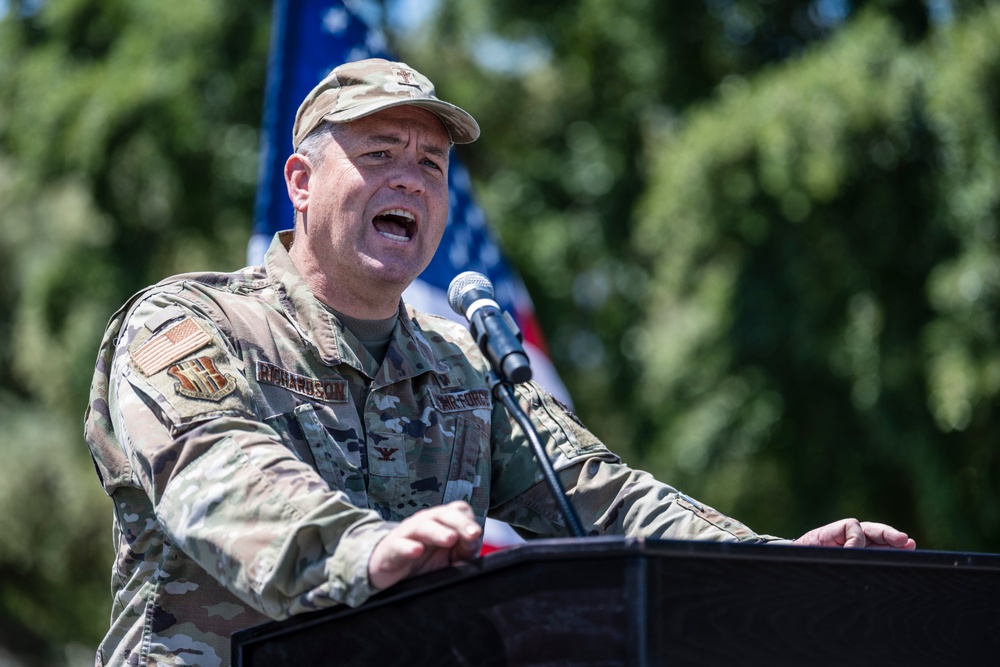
631, 602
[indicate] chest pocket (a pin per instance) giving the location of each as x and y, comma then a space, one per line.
339, 460
466, 464
414, 470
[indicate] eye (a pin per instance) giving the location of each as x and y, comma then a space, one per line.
434, 164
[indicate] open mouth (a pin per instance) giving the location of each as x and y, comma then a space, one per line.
395, 225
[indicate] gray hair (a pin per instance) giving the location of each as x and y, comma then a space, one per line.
316, 142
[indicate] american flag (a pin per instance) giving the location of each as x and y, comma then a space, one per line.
311, 37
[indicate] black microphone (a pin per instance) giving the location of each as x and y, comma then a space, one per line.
471, 296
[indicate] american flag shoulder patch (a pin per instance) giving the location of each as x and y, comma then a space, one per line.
168, 346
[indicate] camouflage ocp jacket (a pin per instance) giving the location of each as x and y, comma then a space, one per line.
247, 487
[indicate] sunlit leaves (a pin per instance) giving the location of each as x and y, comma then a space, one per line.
128, 148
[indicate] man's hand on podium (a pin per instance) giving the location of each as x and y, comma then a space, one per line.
854, 534
429, 540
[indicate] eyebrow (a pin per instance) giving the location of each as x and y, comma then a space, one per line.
394, 140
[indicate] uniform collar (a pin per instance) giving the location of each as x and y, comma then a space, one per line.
409, 353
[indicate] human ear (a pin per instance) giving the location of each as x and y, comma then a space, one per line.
297, 173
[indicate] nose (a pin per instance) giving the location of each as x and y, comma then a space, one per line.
407, 175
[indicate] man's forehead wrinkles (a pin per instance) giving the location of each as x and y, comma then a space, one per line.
393, 139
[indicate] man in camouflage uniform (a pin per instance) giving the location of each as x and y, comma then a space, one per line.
292, 436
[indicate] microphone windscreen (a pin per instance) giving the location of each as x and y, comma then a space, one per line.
461, 284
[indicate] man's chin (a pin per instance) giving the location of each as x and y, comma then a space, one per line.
392, 275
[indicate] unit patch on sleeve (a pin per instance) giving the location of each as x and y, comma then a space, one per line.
328, 390
164, 348
462, 400
199, 378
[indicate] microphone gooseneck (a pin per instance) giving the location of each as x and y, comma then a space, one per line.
471, 296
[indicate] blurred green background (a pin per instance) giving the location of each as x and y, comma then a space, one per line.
761, 237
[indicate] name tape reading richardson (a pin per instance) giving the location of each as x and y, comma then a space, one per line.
327, 390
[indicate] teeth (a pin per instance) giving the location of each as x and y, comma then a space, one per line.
394, 237
400, 213
397, 219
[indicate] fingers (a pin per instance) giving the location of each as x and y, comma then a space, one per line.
882, 535
451, 526
427, 541
854, 534
843, 533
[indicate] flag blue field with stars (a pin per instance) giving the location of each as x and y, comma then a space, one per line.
311, 37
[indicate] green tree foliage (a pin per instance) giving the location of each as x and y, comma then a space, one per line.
128, 151
821, 337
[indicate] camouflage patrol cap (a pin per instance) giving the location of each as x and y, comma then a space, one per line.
358, 89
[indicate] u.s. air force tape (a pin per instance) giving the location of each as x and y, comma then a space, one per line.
472, 399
